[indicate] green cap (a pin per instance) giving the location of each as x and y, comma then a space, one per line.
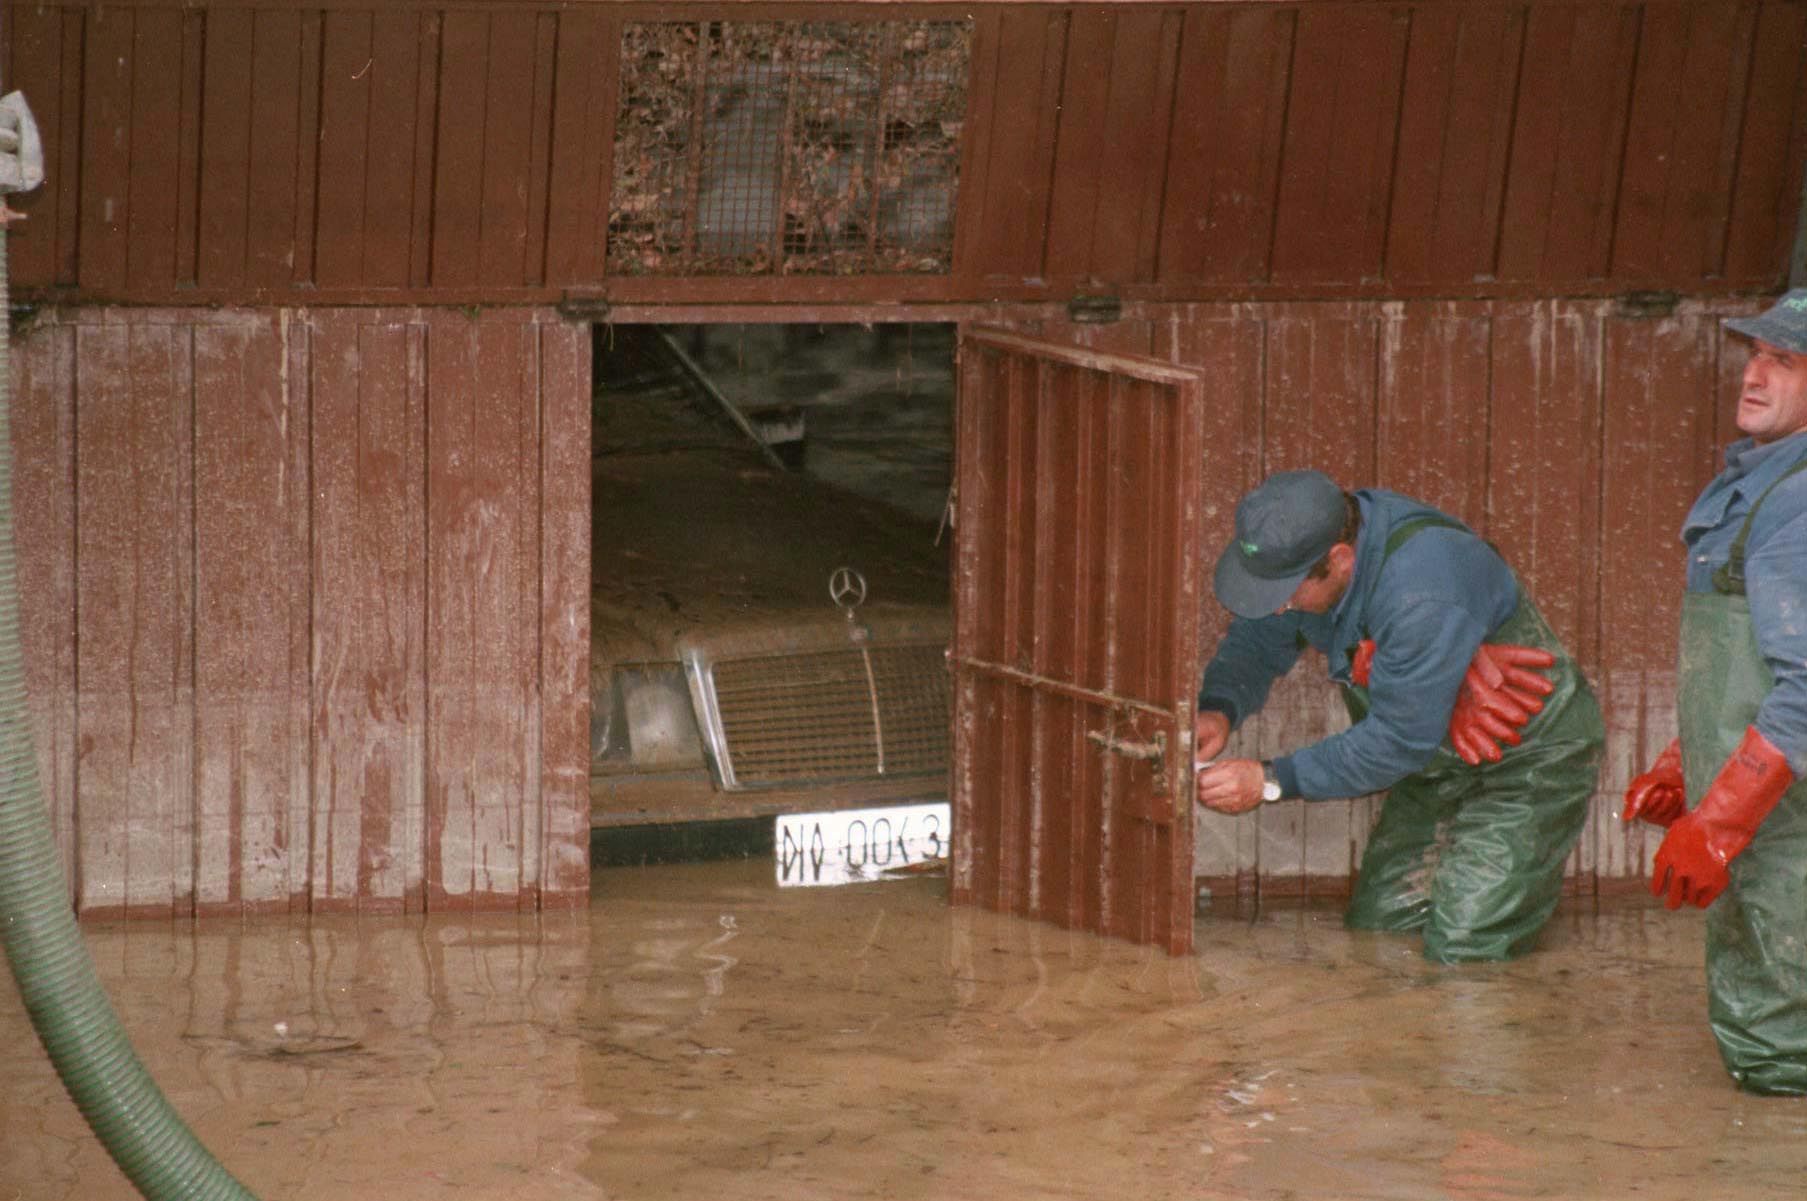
1282, 529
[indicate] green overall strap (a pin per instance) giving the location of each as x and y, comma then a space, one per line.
1411, 526
1402, 533
1408, 529
1729, 579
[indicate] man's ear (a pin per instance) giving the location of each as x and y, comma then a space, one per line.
1342, 560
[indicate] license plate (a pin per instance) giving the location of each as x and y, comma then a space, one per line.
854, 846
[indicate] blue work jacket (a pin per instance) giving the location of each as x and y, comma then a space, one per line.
1775, 572
1427, 606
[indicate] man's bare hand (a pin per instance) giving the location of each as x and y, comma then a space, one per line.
1210, 730
1231, 786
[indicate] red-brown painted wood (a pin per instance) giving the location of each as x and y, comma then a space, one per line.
251, 627
1317, 149
1772, 144
279, 203
583, 107
1337, 157
226, 137
1013, 144
1223, 170
306, 614
1077, 585
1455, 136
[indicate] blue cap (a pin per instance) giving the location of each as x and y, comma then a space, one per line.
1783, 324
1282, 529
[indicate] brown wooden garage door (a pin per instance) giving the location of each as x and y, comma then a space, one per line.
1076, 644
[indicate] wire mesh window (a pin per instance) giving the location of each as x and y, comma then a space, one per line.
788, 147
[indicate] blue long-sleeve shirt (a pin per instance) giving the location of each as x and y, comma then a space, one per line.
1775, 572
1428, 608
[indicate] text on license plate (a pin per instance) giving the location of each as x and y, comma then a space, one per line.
850, 846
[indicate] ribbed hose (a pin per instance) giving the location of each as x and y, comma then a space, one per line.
74, 1019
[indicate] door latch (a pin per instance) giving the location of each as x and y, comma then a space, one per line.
1154, 752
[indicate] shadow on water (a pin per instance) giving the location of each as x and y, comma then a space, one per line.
699, 1032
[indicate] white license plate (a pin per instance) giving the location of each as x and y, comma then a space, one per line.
852, 846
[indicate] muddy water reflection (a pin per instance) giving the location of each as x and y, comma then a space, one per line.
698, 1033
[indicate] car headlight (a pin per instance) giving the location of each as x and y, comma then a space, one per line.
645, 722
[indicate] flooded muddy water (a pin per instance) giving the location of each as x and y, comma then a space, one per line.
700, 1033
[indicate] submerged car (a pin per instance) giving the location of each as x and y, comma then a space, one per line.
761, 640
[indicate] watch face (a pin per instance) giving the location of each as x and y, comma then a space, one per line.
1270, 790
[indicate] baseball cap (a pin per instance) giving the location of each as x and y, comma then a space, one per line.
1783, 324
1282, 529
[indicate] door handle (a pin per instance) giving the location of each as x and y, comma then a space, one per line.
1154, 752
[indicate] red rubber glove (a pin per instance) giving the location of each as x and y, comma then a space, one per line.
1691, 865
1658, 796
1500, 693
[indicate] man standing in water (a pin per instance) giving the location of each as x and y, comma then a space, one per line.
1728, 790
1400, 597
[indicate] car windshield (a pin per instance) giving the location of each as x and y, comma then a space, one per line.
646, 400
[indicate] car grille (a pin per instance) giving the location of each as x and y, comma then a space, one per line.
837, 715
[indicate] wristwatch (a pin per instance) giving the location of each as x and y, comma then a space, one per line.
1270, 783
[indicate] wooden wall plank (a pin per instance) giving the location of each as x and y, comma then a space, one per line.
154, 185
306, 264
274, 220
1433, 408
106, 121
1058, 642
563, 757
1132, 159
1454, 138
513, 133
226, 139
587, 78
1080, 146
348, 71
1096, 775
1337, 161
1228, 124
369, 607
980, 556
1561, 186
426, 139
1772, 144
1031, 386
390, 171
1544, 469
1014, 208
188, 151
250, 704
353, 674
479, 552
532, 269
460, 129
1670, 211
132, 663
370, 72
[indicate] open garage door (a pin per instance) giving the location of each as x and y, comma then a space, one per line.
1075, 656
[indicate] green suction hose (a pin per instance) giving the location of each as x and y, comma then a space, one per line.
68, 1007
